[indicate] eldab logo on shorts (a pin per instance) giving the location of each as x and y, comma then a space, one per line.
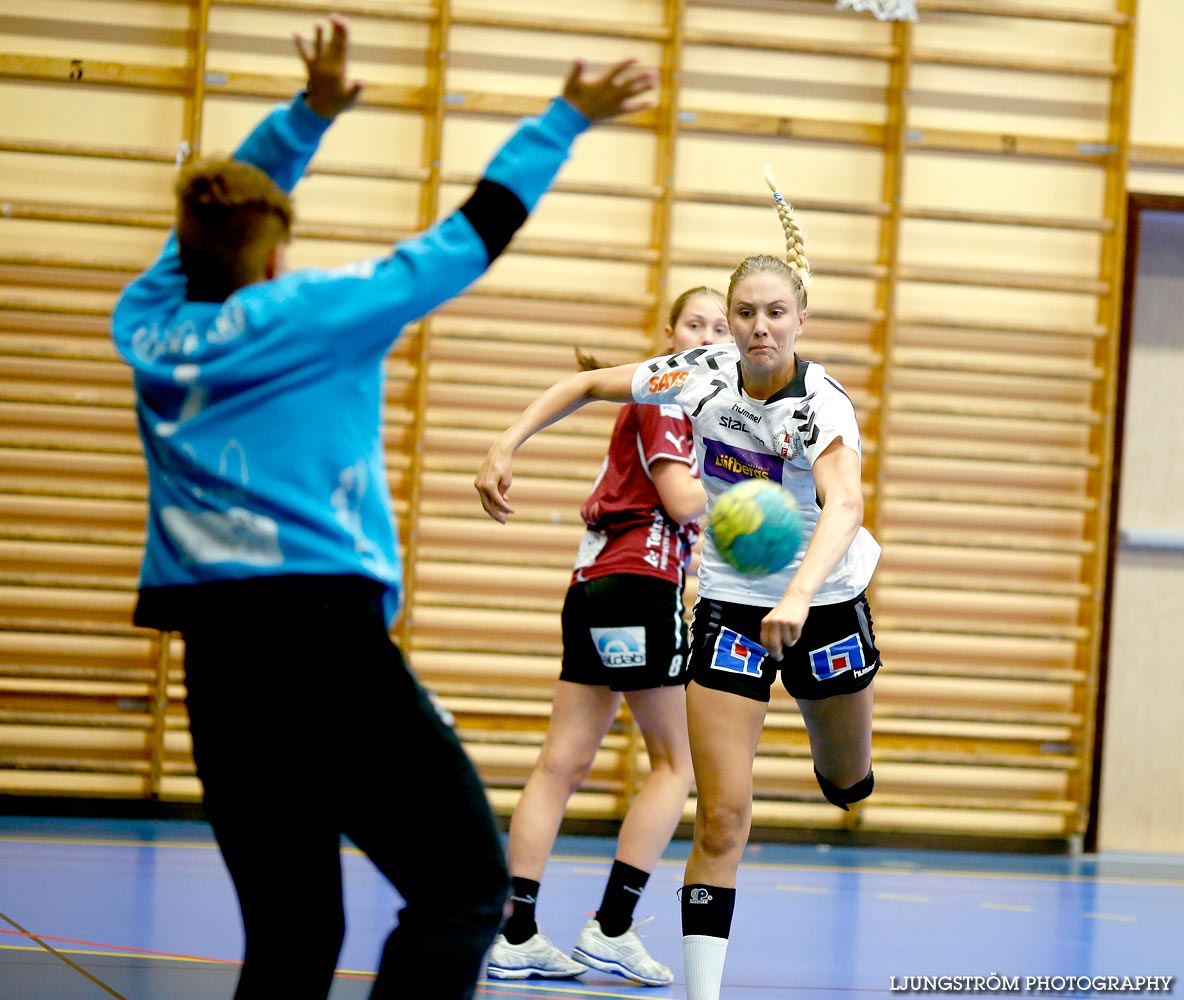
620, 646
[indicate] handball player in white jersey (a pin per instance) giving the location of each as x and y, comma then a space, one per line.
623, 636
757, 411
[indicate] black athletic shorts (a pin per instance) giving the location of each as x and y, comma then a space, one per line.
836, 654
625, 632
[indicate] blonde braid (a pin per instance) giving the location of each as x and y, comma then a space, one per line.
794, 266
795, 242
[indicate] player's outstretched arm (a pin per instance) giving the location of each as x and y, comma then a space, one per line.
284, 142
377, 299
495, 475
527, 163
611, 94
840, 492
281, 146
329, 91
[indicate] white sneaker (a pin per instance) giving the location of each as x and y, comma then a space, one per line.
622, 956
534, 958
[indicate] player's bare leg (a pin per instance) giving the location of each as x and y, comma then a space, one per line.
654, 815
840, 730
724, 730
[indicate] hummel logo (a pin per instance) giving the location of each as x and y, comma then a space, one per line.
629, 888
523, 899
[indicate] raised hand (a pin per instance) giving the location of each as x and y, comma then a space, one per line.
328, 93
611, 94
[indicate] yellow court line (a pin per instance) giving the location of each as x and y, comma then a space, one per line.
159, 957
750, 865
121, 954
1111, 916
1008, 906
88, 842
897, 897
802, 888
62, 957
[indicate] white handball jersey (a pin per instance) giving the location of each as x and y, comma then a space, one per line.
778, 439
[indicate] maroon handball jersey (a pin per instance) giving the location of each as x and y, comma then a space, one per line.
628, 529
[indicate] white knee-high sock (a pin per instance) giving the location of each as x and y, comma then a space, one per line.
703, 960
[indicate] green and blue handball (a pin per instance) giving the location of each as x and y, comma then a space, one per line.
756, 527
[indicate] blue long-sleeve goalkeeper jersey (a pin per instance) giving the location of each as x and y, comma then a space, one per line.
261, 416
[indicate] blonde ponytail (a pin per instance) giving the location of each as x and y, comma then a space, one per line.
795, 242
795, 266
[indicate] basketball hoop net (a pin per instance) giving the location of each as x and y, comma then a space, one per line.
884, 10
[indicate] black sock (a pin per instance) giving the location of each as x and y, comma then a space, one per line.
707, 910
625, 885
524, 896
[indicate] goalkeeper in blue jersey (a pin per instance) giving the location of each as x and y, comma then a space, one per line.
271, 544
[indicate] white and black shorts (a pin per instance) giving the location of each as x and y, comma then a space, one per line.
625, 632
836, 654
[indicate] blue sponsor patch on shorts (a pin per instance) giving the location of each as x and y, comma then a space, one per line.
737, 654
837, 658
620, 646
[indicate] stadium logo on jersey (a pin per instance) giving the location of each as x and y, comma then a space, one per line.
620, 647
838, 658
667, 380
788, 443
732, 464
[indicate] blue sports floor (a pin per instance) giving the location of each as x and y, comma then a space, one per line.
92, 909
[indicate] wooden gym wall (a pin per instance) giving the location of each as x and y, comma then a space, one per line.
961, 184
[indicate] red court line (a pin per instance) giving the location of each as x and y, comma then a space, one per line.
127, 948
60, 956
120, 950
